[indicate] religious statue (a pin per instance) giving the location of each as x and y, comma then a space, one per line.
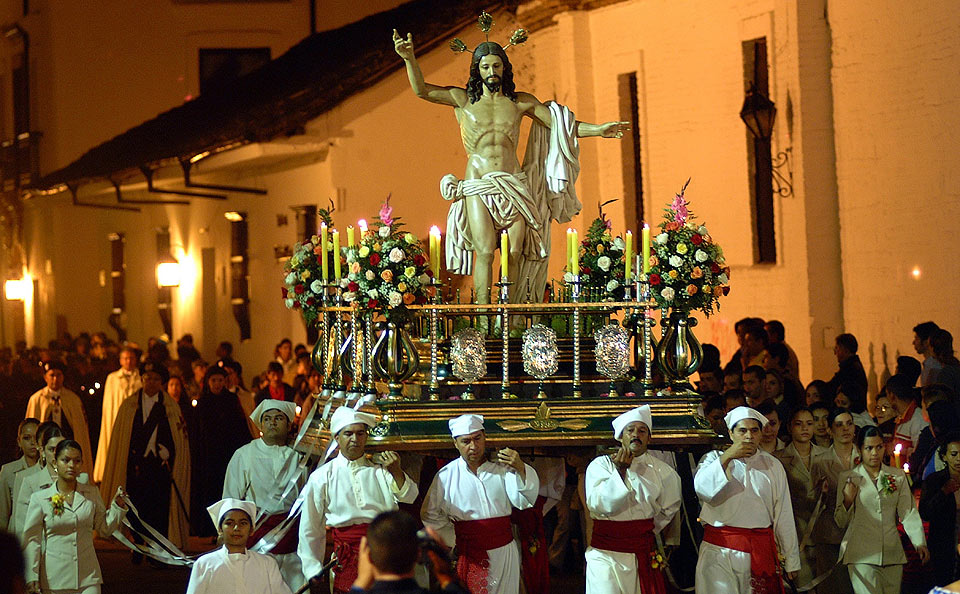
497, 193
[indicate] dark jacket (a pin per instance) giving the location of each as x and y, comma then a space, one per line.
289, 394
850, 370
405, 586
940, 511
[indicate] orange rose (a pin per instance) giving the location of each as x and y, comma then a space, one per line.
718, 291
387, 275
355, 268
672, 226
691, 289
318, 249
408, 298
696, 272
654, 260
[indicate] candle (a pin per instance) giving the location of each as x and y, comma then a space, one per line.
362, 224
627, 255
896, 454
324, 266
435, 251
575, 263
350, 238
645, 246
336, 255
569, 250
504, 251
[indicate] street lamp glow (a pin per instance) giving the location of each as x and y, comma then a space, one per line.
17, 289
168, 274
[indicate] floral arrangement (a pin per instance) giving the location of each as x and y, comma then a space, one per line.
658, 560
302, 284
59, 503
887, 484
687, 269
387, 269
601, 258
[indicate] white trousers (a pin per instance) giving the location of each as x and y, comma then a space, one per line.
610, 572
720, 569
875, 579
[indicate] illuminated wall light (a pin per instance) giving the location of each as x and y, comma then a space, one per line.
18, 289
233, 216
168, 274
915, 273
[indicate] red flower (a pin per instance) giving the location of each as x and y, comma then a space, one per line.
655, 279
726, 291
421, 300
585, 270
697, 239
299, 289
418, 260
310, 301
374, 259
372, 303
714, 268
296, 305
284, 291
353, 287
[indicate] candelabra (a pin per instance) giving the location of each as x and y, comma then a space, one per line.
504, 285
434, 390
643, 292
575, 298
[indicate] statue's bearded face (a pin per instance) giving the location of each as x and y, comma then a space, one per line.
491, 71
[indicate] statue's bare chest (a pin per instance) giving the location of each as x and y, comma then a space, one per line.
500, 115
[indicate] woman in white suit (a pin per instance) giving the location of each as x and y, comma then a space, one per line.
873, 498
58, 532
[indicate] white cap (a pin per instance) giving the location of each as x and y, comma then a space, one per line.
287, 408
465, 425
743, 412
220, 509
345, 416
641, 413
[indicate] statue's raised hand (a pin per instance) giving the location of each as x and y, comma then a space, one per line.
614, 129
403, 46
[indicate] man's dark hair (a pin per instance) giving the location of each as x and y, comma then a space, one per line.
778, 351
820, 405
849, 342
775, 329
937, 393
759, 333
756, 371
275, 367
11, 565
710, 361
856, 393
734, 395
392, 538
900, 387
303, 357
798, 410
475, 82
941, 341
925, 330
235, 365
715, 402
226, 347
767, 407
909, 367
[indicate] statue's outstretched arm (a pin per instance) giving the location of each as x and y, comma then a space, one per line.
444, 95
541, 113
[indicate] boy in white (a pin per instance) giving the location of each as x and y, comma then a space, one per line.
233, 568
746, 512
267, 472
347, 493
631, 495
470, 502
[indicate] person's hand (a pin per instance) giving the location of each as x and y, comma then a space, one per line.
924, 553
850, 490
163, 451
404, 47
512, 459
742, 449
950, 487
614, 129
622, 458
391, 462
33, 587
118, 498
792, 575
442, 569
364, 567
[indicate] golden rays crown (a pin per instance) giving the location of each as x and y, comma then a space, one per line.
485, 23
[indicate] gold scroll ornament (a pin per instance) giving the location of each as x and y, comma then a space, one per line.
542, 421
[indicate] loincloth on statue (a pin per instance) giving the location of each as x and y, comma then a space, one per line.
507, 198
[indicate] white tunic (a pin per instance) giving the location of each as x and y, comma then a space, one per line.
119, 385
650, 490
458, 494
753, 493
8, 473
29, 481
343, 493
220, 572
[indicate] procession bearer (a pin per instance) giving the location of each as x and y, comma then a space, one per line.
474, 497
267, 471
747, 514
347, 493
631, 497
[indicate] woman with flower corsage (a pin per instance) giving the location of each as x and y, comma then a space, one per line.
58, 532
873, 499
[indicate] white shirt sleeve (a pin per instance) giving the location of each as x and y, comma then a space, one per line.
784, 525
607, 494
313, 529
522, 493
32, 538
197, 583
669, 500
434, 514
710, 479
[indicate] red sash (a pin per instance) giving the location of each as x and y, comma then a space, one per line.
631, 536
759, 544
474, 539
346, 546
533, 547
287, 544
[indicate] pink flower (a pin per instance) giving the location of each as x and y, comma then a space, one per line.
386, 212
679, 208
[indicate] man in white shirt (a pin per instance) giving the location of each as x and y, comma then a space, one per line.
470, 502
910, 422
267, 471
746, 512
631, 496
346, 494
62, 406
120, 384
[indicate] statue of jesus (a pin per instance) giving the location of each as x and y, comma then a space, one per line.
497, 193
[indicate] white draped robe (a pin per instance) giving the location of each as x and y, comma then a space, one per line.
220, 572
119, 385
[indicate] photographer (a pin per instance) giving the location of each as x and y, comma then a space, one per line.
389, 552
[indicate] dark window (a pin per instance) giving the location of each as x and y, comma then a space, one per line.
630, 149
222, 65
21, 94
755, 72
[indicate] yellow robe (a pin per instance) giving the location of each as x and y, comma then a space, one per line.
115, 468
